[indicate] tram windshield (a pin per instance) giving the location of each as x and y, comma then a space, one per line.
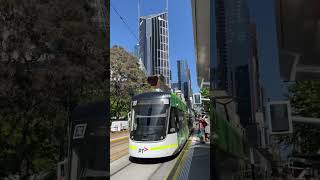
149, 120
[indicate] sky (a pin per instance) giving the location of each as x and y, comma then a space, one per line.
181, 42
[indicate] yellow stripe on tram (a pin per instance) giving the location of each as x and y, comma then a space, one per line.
133, 147
164, 147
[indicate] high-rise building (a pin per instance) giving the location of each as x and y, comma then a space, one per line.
182, 67
154, 45
175, 86
136, 50
184, 78
136, 54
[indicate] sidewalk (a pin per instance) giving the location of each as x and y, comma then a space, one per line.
194, 161
200, 162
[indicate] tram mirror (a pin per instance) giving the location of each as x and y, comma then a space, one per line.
172, 130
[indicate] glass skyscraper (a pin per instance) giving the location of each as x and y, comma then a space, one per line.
184, 81
154, 45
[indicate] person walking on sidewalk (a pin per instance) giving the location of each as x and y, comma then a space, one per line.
202, 126
207, 129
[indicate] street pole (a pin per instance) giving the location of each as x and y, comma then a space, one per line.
252, 163
213, 149
306, 120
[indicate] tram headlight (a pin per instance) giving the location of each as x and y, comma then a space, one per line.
134, 103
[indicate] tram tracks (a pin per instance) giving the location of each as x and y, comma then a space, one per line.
118, 149
129, 168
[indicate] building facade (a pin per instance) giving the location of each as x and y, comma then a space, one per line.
182, 67
184, 79
154, 45
136, 50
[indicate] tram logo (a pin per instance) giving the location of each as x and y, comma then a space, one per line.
142, 150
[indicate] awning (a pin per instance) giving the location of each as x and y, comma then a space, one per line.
201, 31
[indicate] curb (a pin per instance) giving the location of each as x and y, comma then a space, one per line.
118, 139
178, 162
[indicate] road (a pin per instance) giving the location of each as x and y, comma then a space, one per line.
191, 163
123, 167
126, 168
118, 145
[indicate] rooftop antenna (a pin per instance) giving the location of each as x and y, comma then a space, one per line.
167, 5
138, 18
138, 43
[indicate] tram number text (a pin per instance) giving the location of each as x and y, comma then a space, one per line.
142, 150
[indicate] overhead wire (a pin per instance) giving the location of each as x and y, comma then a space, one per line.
124, 21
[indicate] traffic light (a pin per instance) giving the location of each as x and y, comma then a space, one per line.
279, 117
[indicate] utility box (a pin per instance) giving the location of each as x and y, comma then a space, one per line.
89, 147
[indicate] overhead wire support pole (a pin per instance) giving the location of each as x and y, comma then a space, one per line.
138, 17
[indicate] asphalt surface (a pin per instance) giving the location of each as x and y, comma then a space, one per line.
115, 135
193, 162
119, 149
126, 168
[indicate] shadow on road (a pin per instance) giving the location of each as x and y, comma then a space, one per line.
152, 160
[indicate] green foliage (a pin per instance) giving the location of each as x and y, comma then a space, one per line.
305, 101
53, 57
205, 92
126, 80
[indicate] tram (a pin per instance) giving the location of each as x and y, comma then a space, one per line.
159, 125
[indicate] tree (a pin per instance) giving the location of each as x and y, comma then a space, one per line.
205, 92
305, 101
52, 58
126, 80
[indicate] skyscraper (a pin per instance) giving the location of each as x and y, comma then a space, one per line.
154, 45
184, 79
136, 50
232, 21
182, 73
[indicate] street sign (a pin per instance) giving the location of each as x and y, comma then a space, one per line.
279, 117
197, 98
79, 131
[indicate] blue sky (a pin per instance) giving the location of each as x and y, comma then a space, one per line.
181, 44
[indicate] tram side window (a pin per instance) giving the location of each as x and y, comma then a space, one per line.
173, 121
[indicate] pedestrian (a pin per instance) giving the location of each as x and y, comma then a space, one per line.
207, 130
202, 125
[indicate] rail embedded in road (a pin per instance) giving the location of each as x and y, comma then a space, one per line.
118, 148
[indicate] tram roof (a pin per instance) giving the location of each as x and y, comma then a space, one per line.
175, 100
